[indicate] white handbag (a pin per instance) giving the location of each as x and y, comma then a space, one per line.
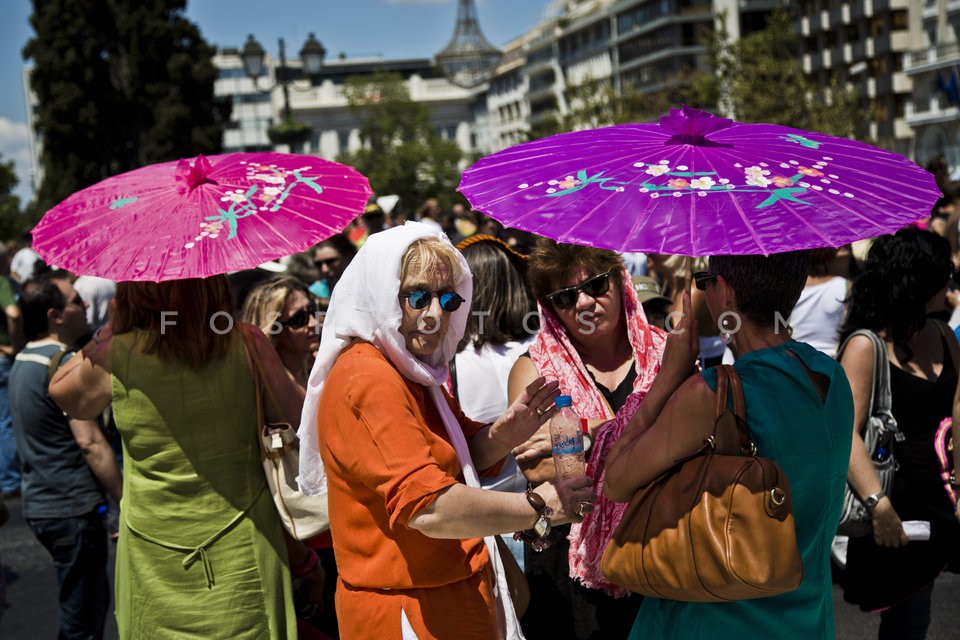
303, 516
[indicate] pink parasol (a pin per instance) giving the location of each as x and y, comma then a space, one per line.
200, 217
696, 184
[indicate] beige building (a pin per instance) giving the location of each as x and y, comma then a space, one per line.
933, 65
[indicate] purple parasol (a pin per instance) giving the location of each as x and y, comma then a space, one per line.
696, 184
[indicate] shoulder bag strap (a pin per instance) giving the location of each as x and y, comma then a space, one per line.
250, 350
263, 383
883, 399
454, 387
54, 364
732, 380
879, 356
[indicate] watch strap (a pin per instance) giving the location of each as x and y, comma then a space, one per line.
873, 500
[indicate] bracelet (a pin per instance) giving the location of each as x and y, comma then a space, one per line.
307, 567
537, 535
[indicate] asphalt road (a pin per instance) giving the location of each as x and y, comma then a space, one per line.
31, 611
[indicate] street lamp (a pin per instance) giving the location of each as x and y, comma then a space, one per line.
312, 54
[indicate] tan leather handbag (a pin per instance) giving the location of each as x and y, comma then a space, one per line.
714, 528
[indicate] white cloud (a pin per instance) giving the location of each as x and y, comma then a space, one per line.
15, 145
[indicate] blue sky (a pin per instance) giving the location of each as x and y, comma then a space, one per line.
391, 28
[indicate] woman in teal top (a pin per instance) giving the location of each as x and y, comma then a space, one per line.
798, 410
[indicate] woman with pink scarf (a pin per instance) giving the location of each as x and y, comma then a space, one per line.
596, 341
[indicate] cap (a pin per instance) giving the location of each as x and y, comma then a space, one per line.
647, 289
563, 401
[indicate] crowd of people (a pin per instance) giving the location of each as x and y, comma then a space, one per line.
421, 361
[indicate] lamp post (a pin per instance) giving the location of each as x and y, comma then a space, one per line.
311, 54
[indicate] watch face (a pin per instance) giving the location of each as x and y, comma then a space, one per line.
542, 527
871, 501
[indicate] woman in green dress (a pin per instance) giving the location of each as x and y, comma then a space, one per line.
798, 411
202, 552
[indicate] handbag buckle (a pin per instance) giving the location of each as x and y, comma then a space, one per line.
778, 496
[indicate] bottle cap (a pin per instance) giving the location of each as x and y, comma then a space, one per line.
563, 401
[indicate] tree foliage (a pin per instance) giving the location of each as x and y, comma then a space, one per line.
401, 152
598, 103
760, 78
120, 84
12, 222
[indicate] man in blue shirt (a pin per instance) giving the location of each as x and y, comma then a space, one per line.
66, 463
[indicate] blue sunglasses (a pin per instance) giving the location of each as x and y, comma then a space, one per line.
421, 298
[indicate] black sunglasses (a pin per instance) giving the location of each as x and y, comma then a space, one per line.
329, 262
301, 318
421, 298
702, 278
594, 287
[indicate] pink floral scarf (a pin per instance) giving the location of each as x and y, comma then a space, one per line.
555, 357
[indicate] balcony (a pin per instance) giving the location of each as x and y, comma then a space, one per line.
933, 114
932, 58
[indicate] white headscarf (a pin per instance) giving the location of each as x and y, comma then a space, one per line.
365, 307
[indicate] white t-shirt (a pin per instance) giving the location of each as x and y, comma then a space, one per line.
482, 390
817, 316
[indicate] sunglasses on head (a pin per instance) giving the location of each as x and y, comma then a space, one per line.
594, 287
702, 278
301, 318
421, 298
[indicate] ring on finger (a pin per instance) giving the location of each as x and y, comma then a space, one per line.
540, 411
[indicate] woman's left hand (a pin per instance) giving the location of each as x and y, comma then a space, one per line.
310, 592
529, 412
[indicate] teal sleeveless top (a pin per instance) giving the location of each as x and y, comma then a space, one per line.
811, 441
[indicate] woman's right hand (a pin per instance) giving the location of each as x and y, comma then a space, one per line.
570, 499
683, 345
887, 528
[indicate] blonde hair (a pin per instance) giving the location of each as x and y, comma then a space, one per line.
427, 256
265, 303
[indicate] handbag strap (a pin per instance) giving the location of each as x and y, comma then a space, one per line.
881, 397
259, 383
727, 379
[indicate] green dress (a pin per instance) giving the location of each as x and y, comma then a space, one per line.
201, 551
811, 442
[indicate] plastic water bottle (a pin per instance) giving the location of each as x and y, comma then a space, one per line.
566, 438
881, 453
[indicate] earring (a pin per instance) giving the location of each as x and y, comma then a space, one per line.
726, 335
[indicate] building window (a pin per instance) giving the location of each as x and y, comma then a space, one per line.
899, 20
343, 140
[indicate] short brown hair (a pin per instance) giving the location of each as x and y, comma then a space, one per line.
192, 341
550, 261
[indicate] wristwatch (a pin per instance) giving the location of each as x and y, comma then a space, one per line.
873, 501
537, 535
